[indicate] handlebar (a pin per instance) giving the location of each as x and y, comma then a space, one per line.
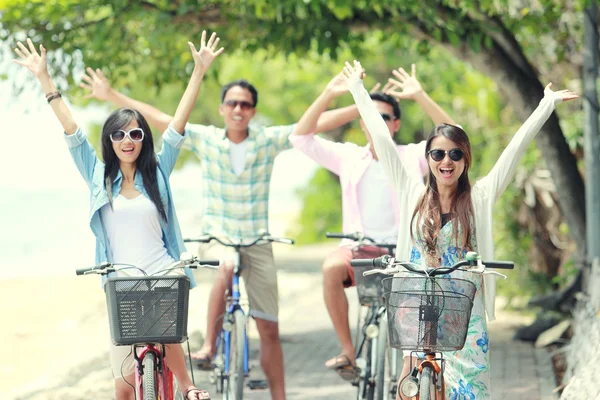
472, 261
187, 260
263, 237
359, 237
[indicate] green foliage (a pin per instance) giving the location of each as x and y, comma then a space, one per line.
322, 206
290, 49
123, 35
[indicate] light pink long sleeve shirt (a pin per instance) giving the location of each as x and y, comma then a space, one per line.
350, 161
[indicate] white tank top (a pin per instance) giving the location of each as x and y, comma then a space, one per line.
134, 234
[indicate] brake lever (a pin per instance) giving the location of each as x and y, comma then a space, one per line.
490, 272
386, 271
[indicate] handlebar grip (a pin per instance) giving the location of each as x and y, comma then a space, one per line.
287, 241
332, 235
81, 271
366, 262
214, 263
499, 264
199, 240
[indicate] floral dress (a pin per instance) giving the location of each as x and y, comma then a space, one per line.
466, 372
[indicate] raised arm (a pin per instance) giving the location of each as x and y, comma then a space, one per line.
503, 171
100, 88
380, 134
408, 87
333, 119
202, 60
309, 122
36, 63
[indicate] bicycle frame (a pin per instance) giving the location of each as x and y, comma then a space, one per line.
163, 375
431, 372
233, 304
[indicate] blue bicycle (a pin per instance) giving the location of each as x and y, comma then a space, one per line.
231, 358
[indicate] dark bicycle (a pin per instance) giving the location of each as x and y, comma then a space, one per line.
378, 362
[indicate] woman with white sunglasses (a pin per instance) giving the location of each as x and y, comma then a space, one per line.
443, 218
132, 213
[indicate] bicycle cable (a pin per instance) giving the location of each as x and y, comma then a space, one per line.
123, 377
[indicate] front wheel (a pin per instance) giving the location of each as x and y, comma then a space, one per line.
425, 384
149, 377
237, 344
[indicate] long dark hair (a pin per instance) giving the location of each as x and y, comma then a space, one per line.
146, 162
428, 212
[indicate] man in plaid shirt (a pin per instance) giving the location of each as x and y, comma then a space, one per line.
237, 162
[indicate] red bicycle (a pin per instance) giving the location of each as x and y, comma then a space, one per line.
146, 313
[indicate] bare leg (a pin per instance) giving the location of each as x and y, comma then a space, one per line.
216, 308
122, 390
176, 362
335, 272
271, 357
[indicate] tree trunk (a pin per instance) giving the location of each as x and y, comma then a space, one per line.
522, 89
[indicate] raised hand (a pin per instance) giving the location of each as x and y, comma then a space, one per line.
564, 95
30, 59
353, 73
405, 86
208, 51
337, 85
97, 84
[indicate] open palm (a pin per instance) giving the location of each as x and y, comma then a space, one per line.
338, 85
353, 72
564, 95
208, 51
30, 59
405, 86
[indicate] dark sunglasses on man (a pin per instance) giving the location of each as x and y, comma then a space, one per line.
244, 105
439, 154
387, 117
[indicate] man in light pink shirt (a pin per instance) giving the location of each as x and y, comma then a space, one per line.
368, 204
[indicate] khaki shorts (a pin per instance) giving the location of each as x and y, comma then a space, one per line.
259, 274
122, 362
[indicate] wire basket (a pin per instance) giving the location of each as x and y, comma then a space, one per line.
148, 309
428, 314
369, 287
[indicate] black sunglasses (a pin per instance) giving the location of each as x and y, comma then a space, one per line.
438, 154
244, 105
387, 117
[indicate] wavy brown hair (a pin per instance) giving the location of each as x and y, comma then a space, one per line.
428, 213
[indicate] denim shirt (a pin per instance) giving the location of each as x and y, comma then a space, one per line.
92, 170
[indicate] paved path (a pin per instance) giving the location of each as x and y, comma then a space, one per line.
308, 340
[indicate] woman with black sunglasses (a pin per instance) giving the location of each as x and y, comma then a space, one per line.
447, 216
132, 216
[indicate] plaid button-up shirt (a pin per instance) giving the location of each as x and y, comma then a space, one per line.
236, 206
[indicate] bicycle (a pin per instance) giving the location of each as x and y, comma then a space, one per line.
418, 310
230, 362
147, 312
371, 332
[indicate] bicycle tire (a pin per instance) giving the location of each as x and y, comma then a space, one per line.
149, 377
425, 384
236, 378
366, 390
381, 358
